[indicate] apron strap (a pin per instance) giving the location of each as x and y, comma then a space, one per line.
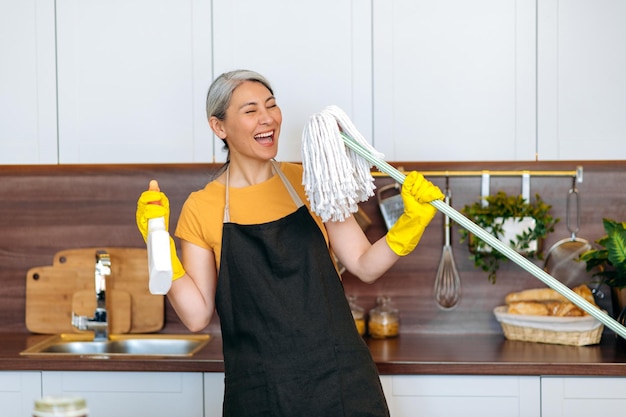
276, 168
292, 192
226, 206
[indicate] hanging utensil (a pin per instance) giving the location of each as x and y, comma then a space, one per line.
390, 203
447, 281
562, 259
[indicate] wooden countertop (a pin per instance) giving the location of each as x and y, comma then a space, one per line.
413, 354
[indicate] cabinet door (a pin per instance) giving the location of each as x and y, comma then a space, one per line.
454, 80
213, 394
582, 87
28, 129
315, 53
582, 396
464, 395
132, 81
112, 394
18, 392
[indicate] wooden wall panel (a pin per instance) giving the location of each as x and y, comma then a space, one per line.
44, 209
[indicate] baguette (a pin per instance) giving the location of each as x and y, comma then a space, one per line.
547, 294
534, 294
567, 309
531, 308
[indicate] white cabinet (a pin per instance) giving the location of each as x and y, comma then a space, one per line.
28, 129
132, 81
94, 81
113, 394
582, 396
454, 80
201, 394
463, 395
582, 87
18, 392
213, 394
315, 53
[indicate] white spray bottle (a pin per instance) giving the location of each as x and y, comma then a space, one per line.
159, 258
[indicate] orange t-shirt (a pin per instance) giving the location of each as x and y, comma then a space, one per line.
202, 215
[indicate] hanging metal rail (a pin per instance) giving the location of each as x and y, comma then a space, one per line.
577, 173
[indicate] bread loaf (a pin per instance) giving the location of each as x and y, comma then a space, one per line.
547, 302
532, 308
534, 294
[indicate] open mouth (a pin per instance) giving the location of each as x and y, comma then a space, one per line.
266, 138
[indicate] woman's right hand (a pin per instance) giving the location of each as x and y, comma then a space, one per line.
152, 204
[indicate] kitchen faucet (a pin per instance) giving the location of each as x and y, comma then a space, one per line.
98, 323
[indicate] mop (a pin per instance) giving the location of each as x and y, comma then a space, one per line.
337, 164
337, 180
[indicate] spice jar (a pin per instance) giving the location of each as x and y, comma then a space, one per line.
384, 320
358, 314
50, 406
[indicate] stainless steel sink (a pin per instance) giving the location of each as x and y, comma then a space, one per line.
159, 345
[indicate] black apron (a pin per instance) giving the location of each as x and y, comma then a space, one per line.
290, 344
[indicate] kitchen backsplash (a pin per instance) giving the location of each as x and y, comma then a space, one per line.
45, 209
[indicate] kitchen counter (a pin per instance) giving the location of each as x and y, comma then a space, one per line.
415, 354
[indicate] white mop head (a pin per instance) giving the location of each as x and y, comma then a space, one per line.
335, 178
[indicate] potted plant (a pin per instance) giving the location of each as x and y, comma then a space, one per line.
521, 223
609, 261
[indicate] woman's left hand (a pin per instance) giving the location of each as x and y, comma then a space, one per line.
417, 193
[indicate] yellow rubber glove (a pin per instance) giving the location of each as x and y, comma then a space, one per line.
151, 205
417, 192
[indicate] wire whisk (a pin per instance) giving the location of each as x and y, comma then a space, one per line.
447, 281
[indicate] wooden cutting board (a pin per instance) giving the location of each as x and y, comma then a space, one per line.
54, 291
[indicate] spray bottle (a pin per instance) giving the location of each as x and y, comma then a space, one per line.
159, 258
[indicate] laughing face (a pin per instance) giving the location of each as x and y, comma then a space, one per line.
252, 123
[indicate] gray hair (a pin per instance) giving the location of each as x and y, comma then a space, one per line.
221, 90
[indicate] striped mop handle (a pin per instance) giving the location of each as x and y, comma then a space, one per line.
494, 242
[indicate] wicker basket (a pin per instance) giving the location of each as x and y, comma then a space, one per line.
573, 331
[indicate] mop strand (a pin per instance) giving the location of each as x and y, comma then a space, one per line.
337, 179
330, 171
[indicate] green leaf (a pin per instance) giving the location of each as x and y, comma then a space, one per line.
610, 259
616, 246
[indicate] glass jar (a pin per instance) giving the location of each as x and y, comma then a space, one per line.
384, 320
50, 406
358, 314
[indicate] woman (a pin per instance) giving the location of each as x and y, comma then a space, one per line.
253, 251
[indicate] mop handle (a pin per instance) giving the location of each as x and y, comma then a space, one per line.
494, 242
